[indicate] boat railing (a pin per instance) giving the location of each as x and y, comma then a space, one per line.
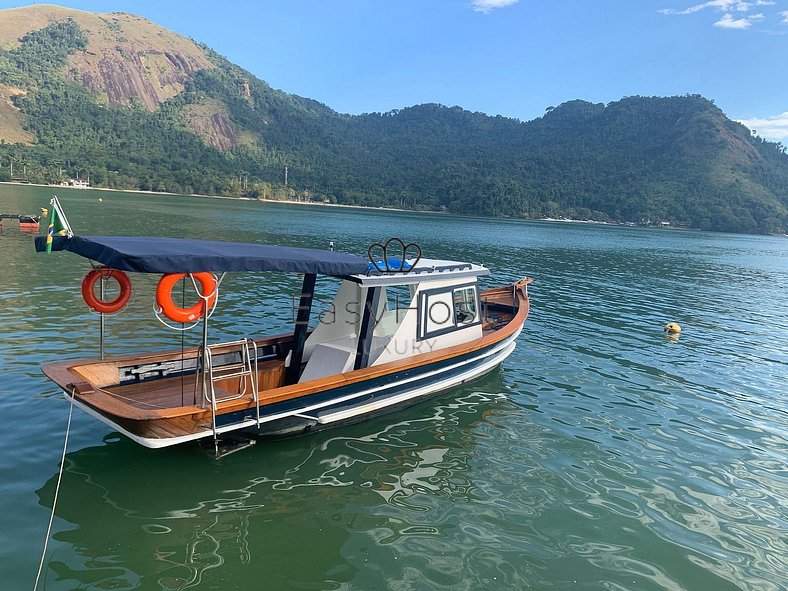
244, 369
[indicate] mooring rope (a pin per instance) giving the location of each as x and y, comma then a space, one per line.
57, 491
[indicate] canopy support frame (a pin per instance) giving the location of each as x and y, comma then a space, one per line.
364, 345
301, 327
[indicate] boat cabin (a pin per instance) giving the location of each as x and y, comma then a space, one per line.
378, 317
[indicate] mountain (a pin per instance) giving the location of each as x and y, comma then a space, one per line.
134, 105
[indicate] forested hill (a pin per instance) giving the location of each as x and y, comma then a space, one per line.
133, 105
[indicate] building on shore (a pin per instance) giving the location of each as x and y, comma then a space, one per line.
76, 183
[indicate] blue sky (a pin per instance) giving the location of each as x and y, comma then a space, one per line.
509, 57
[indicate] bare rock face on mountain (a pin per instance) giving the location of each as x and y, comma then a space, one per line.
128, 58
128, 61
11, 118
149, 76
209, 120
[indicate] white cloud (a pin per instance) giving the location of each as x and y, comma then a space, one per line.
487, 6
728, 22
729, 7
784, 14
723, 5
774, 128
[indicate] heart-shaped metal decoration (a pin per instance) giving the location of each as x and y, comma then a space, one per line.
377, 257
411, 246
384, 261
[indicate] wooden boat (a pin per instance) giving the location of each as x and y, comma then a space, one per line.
400, 330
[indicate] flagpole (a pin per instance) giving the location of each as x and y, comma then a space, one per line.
61, 214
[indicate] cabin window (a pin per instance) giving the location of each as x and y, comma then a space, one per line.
445, 310
465, 306
398, 298
436, 313
389, 319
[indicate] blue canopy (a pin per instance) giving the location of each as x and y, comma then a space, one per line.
182, 255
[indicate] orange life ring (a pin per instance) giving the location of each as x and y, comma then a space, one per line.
184, 315
93, 302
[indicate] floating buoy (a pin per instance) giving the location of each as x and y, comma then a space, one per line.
44, 211
100, 200
672, 328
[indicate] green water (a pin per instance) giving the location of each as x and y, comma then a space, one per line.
601, 456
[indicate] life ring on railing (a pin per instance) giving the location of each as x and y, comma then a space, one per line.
89, 294
184, 315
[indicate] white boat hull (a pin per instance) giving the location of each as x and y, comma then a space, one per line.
348, 408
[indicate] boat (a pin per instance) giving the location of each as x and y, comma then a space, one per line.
399, 330
26, 222
29, 222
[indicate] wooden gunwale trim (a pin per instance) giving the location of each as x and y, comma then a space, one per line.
63, 374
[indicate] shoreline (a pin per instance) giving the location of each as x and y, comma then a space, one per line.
45, 185
264, 200
366, 207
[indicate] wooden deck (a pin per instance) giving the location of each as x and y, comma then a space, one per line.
162, 393
498, 307
180, 391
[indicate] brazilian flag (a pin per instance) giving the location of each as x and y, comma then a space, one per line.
56, 226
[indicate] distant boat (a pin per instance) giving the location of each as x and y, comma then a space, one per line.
30, 222
26, 222
398, 331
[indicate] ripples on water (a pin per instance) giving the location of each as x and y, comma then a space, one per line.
602, 456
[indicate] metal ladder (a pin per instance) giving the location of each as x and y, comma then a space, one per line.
245, 369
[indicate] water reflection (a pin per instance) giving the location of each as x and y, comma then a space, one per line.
286, 509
